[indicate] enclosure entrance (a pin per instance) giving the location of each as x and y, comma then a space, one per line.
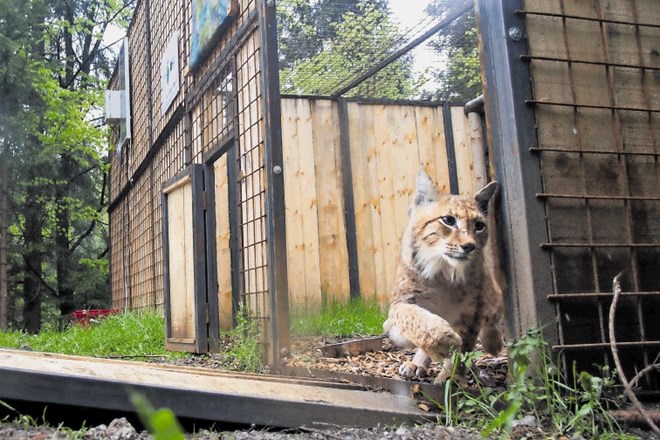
231, 171
367, 99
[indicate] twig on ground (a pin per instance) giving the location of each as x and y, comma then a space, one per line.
655, 366
616, 287
632, 416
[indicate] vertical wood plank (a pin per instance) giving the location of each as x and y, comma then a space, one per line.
309, 206
405, 157
476, 141
462, 147
373, 158
362, 198
431, 145
222, 243
292, 195
333, 264
385, 187
182, 298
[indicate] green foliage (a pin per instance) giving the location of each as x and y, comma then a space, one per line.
536, 388
243, 350
460, 80
161, 423
318, 57
53, 68
335, 318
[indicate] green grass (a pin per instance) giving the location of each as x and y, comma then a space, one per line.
129, 334
356, 317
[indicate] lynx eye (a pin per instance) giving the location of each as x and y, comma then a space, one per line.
448, 220
479, 226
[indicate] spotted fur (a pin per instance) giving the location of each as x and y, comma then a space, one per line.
444, 297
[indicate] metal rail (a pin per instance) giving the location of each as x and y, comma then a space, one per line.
578, 17
591, 106
600, 245
595, 63
595, 197
605, 345
598, 295
591, 151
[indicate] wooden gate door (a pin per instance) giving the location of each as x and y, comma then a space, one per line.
190, 324
222, 246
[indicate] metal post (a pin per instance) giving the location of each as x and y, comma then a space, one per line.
349, 202
511, 132
451, 148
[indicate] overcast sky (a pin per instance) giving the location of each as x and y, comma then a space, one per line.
408, 11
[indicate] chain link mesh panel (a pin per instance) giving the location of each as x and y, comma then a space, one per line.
378, 49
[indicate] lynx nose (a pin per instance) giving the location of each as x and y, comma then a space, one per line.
468, 247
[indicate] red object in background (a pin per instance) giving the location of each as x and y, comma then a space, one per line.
83, 317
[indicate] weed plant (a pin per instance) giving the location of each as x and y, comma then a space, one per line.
335, 318
243, 350
537, 388
161, 423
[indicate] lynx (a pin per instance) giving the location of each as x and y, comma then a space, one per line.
444, 297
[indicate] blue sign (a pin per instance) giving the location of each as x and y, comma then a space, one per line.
209, 19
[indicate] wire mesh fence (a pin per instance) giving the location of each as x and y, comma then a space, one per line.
596, 111
378, 49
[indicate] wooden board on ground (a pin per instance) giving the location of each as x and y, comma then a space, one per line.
202, 394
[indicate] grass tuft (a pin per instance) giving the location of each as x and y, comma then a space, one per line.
355, 317
242, 349
127, 334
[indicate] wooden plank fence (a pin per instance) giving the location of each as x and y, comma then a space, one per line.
388, 142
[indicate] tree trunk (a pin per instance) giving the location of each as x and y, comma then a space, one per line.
4, 231
63, 249
33, 260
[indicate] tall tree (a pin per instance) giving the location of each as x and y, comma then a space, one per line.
21, 52
303, 26
340, 41
460, 80
76, 42
4, 231
53, 189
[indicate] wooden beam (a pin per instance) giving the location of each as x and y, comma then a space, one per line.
197, 393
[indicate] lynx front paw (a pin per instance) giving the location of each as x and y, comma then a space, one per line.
445, 372
442, 342
409, 370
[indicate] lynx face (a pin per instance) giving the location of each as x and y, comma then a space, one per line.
446, 233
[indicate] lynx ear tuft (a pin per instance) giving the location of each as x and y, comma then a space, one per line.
426, 191
484, 195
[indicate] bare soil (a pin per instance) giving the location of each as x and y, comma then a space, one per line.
13, 431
